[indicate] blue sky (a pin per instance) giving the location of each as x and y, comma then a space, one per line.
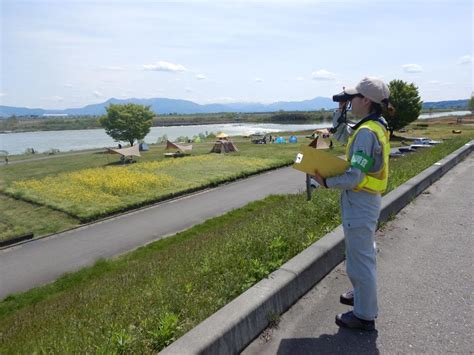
59, 54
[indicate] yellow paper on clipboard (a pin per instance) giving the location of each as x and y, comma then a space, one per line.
309, 160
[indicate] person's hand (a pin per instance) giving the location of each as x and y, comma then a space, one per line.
319, 179
342, 104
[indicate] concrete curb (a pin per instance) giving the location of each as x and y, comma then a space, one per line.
235, 325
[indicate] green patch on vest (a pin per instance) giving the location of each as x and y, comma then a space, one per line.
361, 161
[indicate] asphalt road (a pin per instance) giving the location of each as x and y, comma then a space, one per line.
425, 282
41, 261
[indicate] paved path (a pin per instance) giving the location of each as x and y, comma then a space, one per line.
43, 260
425, 273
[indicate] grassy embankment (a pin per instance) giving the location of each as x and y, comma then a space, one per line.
65, 191
144, 300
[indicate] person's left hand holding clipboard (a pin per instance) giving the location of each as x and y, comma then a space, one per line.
319, 179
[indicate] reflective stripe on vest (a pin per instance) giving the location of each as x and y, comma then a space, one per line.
374, 182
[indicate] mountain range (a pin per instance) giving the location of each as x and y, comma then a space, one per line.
167, 106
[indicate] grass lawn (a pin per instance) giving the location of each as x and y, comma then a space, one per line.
49, 182
440, 128
19, 218
92, 193
144, 300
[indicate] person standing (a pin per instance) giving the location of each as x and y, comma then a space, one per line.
361, 186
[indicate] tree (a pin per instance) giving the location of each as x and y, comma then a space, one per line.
11, 122
470, 104
127, 122
407, 103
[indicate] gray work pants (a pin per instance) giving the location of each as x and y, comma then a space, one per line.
360, 212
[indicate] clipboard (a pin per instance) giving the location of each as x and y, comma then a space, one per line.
309, 160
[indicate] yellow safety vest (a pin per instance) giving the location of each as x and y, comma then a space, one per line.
375, 182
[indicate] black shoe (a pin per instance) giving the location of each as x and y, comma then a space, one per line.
347, 298
349, 320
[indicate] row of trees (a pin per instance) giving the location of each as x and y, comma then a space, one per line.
132, 122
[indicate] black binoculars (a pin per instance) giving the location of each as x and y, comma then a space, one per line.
344, 97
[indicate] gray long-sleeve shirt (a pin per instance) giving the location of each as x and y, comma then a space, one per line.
358, 208
366, 142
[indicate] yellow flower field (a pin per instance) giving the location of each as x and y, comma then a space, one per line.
91, 193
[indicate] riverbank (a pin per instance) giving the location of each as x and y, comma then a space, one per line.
75, 140
28, 124
159, 124
19, 217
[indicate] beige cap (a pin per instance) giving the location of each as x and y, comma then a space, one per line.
373, 89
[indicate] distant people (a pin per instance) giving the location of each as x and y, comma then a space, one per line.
6, 160
120, 146
32, 150
331, 145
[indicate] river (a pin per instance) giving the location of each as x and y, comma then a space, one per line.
425, 116
42, 141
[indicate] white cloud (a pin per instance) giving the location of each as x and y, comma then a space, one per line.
189, 90
258, 80
201, 77
412, 68
433, 82
98, 93
299, 78
165, 66
112, 68
465, 59
68, 85
2, 94
323, 74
